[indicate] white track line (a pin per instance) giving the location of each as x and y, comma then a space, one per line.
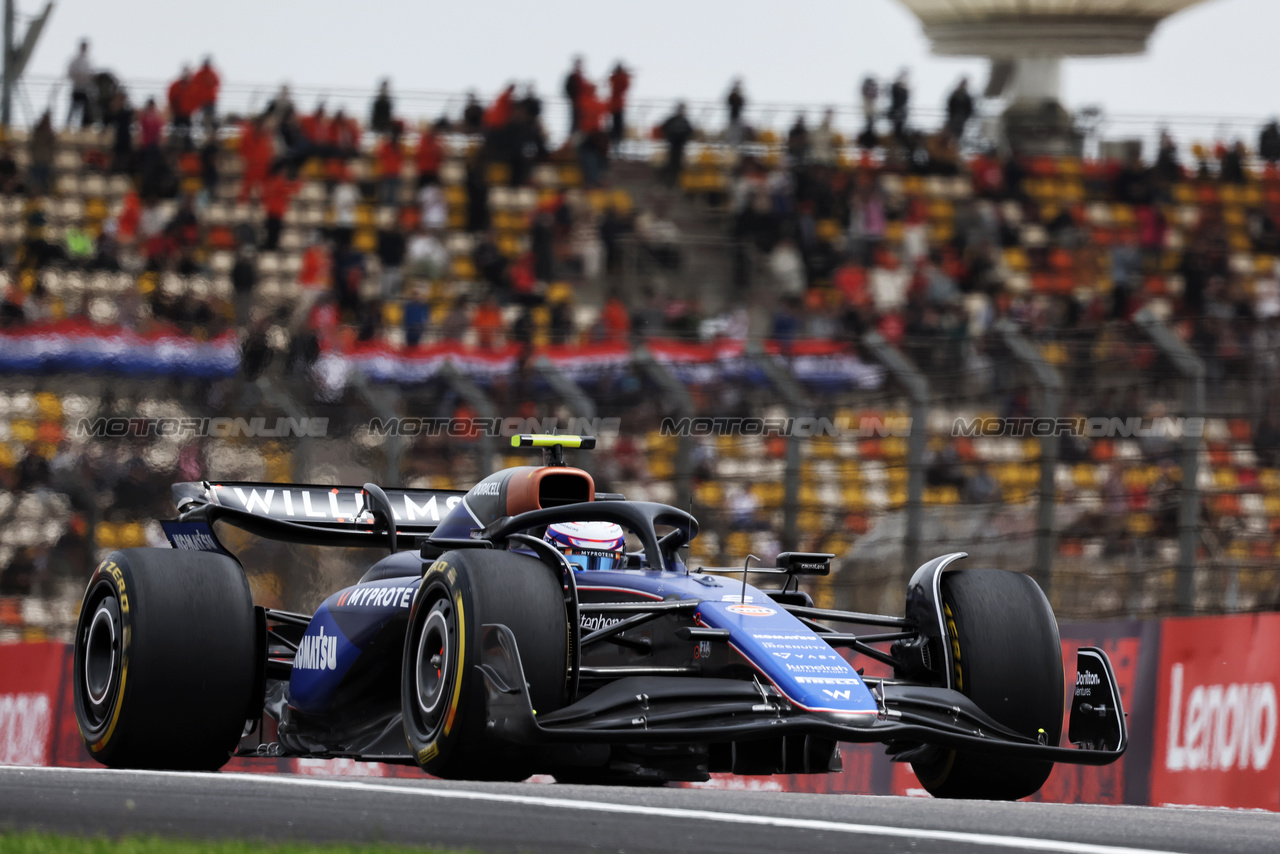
1022, 843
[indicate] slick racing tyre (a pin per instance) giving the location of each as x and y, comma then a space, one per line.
443, 695
164, 666
1007, 659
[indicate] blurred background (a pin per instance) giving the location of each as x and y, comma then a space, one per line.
1033, 210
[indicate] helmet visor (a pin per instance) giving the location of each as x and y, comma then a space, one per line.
593, 559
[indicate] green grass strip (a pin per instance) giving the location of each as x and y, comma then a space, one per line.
49, 843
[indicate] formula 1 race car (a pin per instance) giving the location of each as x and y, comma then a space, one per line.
481, 649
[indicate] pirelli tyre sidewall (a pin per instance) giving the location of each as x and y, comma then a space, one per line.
442, 693
104, 635
1007, 658
164, 659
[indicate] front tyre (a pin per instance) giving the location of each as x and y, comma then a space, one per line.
443, 697
164, 661
1007, 658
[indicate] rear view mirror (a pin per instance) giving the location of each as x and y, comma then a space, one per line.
805, 563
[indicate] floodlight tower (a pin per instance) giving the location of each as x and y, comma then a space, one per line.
1027, 40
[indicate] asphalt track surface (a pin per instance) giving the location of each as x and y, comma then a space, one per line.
554, 818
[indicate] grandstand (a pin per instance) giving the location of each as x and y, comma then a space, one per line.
153, 287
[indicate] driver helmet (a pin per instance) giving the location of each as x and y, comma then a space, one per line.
589, 545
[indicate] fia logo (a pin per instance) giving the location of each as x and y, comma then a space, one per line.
702, 650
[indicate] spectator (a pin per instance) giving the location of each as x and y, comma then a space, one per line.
1232, 170
787, 266
619, 84
182, 98
798, 141
660, 237
532, 104
80, 73
822, 141
615, 318
255, 154
205, 87
959, 109
42, 145
488, 323
316, 270
416, 312
499, 112
1269, 142
899, 106
870, 94
120, 118
1167, 167
391, 255
432, 208
473, 114
593, 143
736, 102
390, 164
209, 174
428, 258
572, 88
380, 117
477, 198
346, 198
244, 278
429, 156
276, 194
677, 131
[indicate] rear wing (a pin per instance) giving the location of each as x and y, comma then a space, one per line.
313, 514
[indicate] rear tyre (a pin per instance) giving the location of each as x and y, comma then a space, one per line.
164, 665
1007, 659
443, 692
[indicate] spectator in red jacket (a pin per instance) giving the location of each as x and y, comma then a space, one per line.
205, 85
429, 156
593, 142
150, 159
390, 164
619, 84
315, 126
255, 152
276, 194
499, 113
181, 98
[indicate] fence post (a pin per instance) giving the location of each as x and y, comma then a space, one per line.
785, 384
917, 388
380, 400
1049, 383
1191, 367
678, 397
484, 407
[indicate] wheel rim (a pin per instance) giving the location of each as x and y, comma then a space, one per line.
100, 657
100, 648
432, 665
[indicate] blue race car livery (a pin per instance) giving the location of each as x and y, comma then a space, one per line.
477, 648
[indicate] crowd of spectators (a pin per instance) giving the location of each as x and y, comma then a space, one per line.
818, 236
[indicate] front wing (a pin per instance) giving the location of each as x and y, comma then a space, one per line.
666, 709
